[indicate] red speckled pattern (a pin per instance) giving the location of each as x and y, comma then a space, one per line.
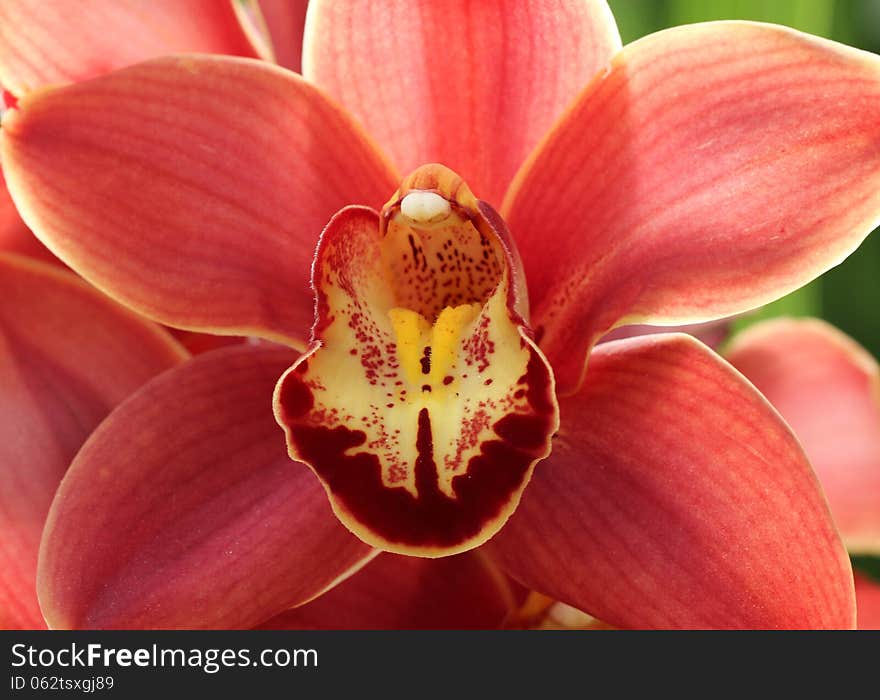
428, 459
444, 267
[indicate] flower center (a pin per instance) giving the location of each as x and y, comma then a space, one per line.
423, 404
441, 272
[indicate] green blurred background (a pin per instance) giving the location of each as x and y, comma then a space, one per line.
849, 295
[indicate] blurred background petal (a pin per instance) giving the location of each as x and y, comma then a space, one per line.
44, 42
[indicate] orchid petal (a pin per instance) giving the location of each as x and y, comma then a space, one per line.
713, 168
285, 21
198, 343
396, 592
560, 616
828, 389
472, 85
17, 239
868, 602
183, 510
712, 333
68, 355
14, 235
44, 42
9, 218
191, 188
677, 497
423, 403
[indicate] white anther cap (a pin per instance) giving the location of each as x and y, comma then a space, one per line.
425, 207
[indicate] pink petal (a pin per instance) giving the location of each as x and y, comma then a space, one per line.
184, 511
18, 239
868, 602
14, 235
560, 616
712, 333
423, 404
285, 21
828, 389
9, 218
675, 497
197, 343
712, 169
398, 592
472, 85
43, 43
192, 189
68, 355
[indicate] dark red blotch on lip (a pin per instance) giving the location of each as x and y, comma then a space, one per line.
431, 519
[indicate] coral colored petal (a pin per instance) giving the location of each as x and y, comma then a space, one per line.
14, 235
397, 592
191, 188
18, 239
9, 218
676, 497
714, 168
828, 389
198, 343
712, 333
560, 616
68, 355
44, 42
423, 404
538, 611
472, 85
868, 602
184, 511
285, 21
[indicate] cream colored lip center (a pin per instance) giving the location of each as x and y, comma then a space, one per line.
425, 207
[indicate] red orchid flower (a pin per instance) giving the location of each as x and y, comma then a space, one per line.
692, 175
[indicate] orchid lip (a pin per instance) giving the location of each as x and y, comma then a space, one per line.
423, 404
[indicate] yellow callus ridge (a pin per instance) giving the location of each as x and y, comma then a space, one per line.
427, 353
412, 331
